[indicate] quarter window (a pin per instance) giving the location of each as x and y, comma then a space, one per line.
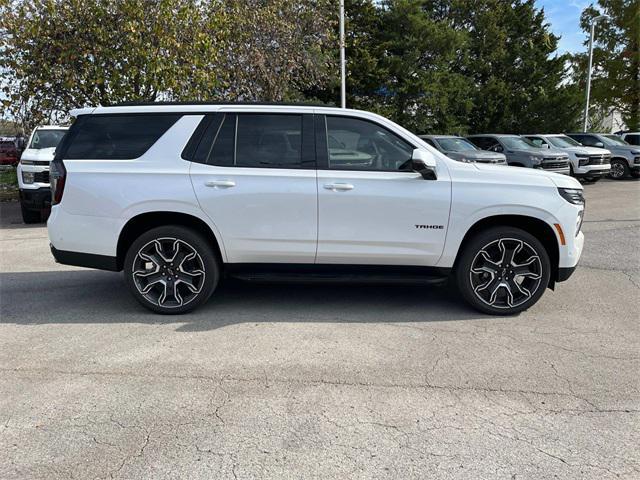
117, 137
356, 144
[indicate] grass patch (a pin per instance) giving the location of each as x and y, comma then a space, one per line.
8, 184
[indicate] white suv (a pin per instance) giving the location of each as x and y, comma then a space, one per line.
180, 196
590, 163
33, 172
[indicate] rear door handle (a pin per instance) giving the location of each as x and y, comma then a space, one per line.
220, 183
341, 187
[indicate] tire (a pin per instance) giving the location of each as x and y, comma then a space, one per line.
163, 255
30, 216
619, 169
503, 292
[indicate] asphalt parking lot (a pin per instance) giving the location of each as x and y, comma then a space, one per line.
285, 381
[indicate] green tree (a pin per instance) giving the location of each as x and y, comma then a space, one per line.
56, 55
519, 81
616, 58
401, 64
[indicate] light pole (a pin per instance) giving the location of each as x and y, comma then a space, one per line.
586, 107
343, 79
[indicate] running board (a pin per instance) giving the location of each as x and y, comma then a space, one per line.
353, 274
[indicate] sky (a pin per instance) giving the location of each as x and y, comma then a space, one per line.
564, 18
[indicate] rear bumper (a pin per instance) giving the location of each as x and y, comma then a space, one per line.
35, 199
88, 260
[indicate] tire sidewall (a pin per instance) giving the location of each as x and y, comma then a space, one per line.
198, 242
478, 242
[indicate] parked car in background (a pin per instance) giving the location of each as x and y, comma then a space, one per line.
590, 163
463, 150
8, 151
33, 172
522, 153
625, 158
179, 196
632, 138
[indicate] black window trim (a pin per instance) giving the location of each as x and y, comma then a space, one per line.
322, 136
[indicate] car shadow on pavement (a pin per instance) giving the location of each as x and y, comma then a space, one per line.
88, 296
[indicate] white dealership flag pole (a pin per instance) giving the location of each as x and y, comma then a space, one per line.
586, 107
343, 79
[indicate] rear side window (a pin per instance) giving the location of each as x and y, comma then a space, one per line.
269, 141
254, 140
117, 137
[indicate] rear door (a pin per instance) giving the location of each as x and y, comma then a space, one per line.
254, 176
372, 209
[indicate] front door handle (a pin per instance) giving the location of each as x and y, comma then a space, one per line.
339, 187
220, 183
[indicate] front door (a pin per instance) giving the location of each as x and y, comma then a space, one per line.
371, 208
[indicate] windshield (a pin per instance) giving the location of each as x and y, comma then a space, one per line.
613, 140
562, 142
455, 144
46, 139
518, 143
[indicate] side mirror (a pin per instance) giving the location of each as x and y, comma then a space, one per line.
599, 144
497, 148
423, 163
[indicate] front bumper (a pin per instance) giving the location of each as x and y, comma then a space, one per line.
565, 273
35, 199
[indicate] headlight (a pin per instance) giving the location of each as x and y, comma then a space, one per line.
572, 195
26, 162
635, 152
535, 160
466, 160
582, 159
28, 177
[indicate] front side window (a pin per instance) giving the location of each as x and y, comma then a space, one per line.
355, 144
117, 137
46, 139
588, 140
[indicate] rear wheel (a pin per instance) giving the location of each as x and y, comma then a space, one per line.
619, 169
30, 216
503, 271
171, 269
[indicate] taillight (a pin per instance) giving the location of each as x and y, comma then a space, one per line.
57, 177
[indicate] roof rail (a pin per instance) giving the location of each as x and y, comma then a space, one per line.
284, 104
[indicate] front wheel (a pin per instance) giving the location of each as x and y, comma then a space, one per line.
503, 271
619, 169
171, 269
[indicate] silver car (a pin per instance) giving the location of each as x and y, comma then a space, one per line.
590, 163
462, 150
521, 152
625, 158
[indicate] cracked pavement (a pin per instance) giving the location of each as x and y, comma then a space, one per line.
288, 381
